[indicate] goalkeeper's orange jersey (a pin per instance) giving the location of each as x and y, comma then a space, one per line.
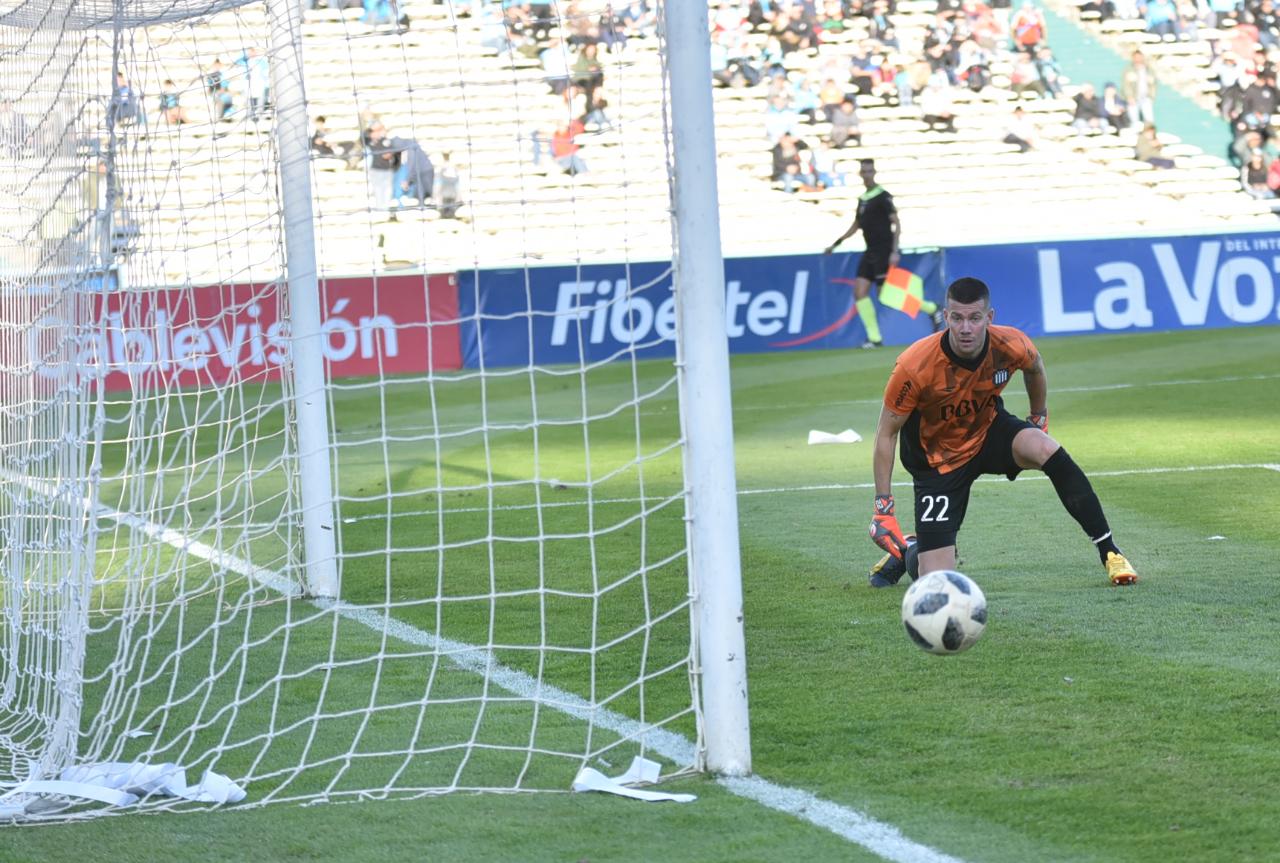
952, 401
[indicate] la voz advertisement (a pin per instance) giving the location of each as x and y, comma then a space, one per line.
1131, 284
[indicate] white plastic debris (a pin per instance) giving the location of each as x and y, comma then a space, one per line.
821, 437
641, 770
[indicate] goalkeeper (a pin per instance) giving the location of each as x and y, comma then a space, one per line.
943, 400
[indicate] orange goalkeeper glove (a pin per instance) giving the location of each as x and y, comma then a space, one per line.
884, 530
1040, 420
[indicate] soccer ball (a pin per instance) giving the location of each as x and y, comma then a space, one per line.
944, 612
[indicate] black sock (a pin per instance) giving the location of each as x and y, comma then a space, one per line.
1077, 496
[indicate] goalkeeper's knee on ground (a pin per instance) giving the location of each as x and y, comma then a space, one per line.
912, 558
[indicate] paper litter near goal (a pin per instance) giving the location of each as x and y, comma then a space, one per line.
846, 436
641, 770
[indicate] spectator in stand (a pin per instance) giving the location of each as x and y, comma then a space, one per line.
257, 78
728, 17
862, 71
880, 27
448, 188
378, 13
771, 56
798, 32
1138, 87
1226, 69
800, 174
831, 18
612, 28
126, 103
1029, 28
804, 99
1020, 132
1219, 9
1024, 77
1149, 148
845, 126
640, 16
1264, 17
731, 61
1244, 146
565, 147
825, 170
936, 106
1261, 97
1104, 10
786, 153
1254, 176
974, 65
1273, 176
322, 146
171, 110
382, 160
596, 120
830, 96
918, 74
940, 52
1088, 117
1114, 109
219, 92
588, 73
1161, 18
1047, 69
555, 66
415, 177
1190, 15
780, 119
885, 84
581, 25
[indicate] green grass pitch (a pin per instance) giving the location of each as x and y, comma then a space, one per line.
1089, 724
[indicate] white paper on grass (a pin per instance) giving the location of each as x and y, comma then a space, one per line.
846, 436
122, 783
641, 770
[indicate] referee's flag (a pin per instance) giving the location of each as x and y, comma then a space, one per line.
902, 290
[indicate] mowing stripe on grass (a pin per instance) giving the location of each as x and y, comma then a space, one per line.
834, 486
362, 436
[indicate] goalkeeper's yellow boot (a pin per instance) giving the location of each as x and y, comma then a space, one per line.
887, 571
1119, 570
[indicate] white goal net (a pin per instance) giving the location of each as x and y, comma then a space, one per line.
275, 527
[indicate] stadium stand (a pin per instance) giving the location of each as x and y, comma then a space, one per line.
1217, 54
202, 191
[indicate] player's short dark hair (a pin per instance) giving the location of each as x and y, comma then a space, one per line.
871, 162
969, 290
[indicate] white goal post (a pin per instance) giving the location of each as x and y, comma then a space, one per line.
280, 517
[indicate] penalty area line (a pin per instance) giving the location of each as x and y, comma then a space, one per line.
1137, 471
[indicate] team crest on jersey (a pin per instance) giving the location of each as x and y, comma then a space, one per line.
1001, 377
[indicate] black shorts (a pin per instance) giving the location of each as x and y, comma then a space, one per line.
942, 498
873, 266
